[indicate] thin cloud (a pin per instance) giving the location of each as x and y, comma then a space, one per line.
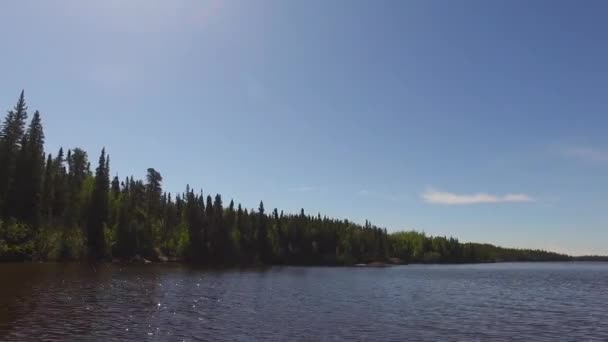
587, 154
449, 198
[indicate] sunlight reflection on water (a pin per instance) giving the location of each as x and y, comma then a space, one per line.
535, 302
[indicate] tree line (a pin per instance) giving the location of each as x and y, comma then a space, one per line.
56, 207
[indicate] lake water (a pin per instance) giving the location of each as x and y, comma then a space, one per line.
494, 302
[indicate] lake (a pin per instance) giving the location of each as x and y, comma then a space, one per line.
490, 302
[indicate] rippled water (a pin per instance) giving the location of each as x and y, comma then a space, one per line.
527, 302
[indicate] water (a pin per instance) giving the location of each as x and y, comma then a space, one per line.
498, 302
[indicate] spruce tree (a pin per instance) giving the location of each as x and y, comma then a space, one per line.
193, 217
25, 190
240, 228
17, 187
11, 137
98, 210
219, 240
229, 225
115, 187
262, 235
78, 166
209, 228
153, 193
33, 172
60, 188
46, 210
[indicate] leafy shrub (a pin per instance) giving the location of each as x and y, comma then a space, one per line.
16, 241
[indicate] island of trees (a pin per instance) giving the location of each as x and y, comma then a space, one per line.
56, 206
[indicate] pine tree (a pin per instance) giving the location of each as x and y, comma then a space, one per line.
11, 137
34, 151
208, 228
60, 189
219, 239
25, 191
171, 221
126, 238
78, 166
194, 220
115, 187
208, 208
229, 224
46, 210
241, 233
262, 235
98, 210
18, 184
153, 193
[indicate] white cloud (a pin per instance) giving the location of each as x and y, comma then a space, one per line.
448, 198
587, 153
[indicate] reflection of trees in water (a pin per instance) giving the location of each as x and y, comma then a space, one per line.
84, 302
20, 290
54, 300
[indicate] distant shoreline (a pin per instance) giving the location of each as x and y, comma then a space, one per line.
254, 266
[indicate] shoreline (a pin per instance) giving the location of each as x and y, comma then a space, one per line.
237, 266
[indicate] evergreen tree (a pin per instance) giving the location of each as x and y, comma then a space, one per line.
125, 236
16, 195
153, 192
140, 219
46, 210
12, 132
60, 195
153, 204
78, 166
98, 210
242, 235
194, 220
228, 235
262, 235
115, 187
209, 228
219, 240
33, 172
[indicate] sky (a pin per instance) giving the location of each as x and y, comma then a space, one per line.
482, 120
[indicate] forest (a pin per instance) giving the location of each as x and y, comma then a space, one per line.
57, 206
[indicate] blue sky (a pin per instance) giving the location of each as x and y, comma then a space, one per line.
485, 120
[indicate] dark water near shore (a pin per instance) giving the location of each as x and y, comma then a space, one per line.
497, 302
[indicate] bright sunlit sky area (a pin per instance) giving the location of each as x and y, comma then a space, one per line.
484, 120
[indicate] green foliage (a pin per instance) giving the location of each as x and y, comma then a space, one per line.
16, 241
183, 245
417, 247
25, 188
12, 134
72, 245
60, 244
97, 216
59, 210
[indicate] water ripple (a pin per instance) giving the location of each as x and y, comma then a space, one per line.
531, 302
